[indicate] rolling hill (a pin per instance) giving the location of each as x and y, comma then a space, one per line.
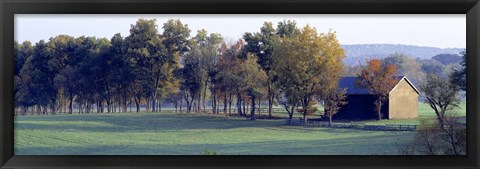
360, 52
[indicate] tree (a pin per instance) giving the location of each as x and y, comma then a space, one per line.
209, 52
22, 52
87, 91
447, 59
332, 55
253, 81
175, 39
306, 65
62, 46
441, 95
287, 29
150, 54
430, 139
169, 84
121, 70
459, 76
351, 70
226, 80
191, 77
379, 79
287, 64
262, 45
66, 79
406, 66
103, 72
37, 75
431, 66
334, 99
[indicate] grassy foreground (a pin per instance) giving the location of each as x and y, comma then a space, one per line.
186, 134
182, 134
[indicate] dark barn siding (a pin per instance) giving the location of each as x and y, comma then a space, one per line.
360, 107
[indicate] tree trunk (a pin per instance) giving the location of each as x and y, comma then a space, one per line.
244, 109
181, 104
63, 107
149, 108
239, 104
189, 103
230, 104
154, 102
70, 111
225, 103
304, 117
137, 103
130, 105
102, 107
379, 109
259, 105
329, 119
52, 106
89, 107
441, 122
159, 105
252, 113
175, 104
198, 103
80, 108
125, 105
109, 106
192, 104
205, 95
270, 100
214, 104
248, 107
154, 93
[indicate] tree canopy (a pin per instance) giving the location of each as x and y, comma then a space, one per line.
379, 79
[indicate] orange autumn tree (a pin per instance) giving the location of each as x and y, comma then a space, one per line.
379, 79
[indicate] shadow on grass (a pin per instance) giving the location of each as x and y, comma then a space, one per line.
135, 122
364, 145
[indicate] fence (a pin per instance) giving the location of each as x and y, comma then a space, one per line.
352, 125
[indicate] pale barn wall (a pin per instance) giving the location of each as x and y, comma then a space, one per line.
403, 101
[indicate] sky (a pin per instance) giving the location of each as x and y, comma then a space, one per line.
439, 30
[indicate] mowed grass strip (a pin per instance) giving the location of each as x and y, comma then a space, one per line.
184, 134
425, 112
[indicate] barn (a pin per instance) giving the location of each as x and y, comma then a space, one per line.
402, 101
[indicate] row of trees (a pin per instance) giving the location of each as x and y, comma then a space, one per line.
294, 67
99, 73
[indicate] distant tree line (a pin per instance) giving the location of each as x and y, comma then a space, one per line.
442, 65
295, 67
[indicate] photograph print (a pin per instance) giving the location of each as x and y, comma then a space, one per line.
175, 84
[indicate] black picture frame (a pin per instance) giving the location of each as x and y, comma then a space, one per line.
8, 8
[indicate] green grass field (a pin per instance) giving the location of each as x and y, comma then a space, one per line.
185, 134
424, 112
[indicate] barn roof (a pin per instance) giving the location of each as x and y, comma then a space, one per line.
352, 88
